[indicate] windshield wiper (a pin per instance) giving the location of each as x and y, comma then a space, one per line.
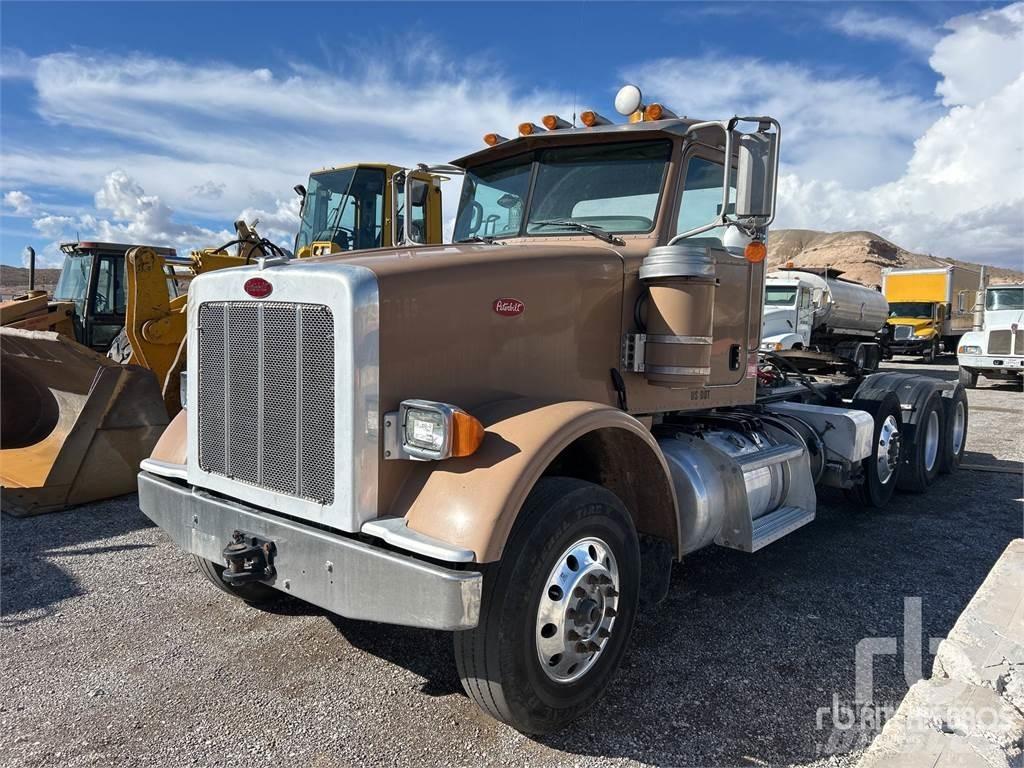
486, 239
590, 229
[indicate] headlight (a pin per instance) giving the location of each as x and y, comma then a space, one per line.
183, 389
969, 349
430, 430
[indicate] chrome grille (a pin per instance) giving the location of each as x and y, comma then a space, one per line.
999, 342
266, 396
903, 332
1018, 342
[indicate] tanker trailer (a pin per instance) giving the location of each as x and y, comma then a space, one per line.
815, 319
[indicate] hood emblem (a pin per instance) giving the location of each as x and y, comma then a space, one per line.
509, 307
258, 288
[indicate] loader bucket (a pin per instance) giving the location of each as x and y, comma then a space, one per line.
74, 425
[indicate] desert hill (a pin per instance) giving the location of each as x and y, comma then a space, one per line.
861, 255
14, 280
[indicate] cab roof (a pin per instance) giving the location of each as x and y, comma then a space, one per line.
93, 245
669, 128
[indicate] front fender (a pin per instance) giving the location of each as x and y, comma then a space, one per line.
787, 340
473, 502
972, 338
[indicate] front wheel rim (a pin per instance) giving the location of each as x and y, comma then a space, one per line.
931, 441
578, 609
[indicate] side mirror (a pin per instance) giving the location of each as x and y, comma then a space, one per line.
755, 175
300, 191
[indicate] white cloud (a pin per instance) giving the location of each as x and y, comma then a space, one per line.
133, 217
893, 29
983, 55
861, 155
19, 203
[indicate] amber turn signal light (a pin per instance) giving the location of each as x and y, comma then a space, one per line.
755, 252
467, 434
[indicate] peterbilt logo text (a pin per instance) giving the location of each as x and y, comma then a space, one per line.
509, 307
257, 287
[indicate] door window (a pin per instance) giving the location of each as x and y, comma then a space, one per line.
702, 196
109, 296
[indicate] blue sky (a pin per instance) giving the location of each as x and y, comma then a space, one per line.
164, 122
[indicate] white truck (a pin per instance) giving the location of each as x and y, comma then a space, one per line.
813, 310
997, 350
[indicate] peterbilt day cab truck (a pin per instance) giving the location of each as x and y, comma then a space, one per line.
930, 309
815, 311
997, 350
513, 436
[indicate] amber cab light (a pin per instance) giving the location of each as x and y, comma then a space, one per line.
554, 122
590, 118
528, 129
755, 252
493, 139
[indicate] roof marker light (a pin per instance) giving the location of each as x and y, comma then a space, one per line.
493, 139
658, 112
528, 129
591, 118
554, 122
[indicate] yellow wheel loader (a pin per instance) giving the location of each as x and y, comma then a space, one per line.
89, 381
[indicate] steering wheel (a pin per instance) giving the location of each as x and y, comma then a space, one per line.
100, 300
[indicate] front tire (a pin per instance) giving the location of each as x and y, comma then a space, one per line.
968, 378
557, 609
933, 351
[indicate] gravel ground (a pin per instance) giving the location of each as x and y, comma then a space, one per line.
114, 651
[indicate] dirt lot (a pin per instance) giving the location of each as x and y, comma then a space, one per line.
113, 651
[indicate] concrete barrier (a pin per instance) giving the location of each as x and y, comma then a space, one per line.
971, 711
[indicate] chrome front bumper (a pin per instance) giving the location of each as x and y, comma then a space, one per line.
337, 573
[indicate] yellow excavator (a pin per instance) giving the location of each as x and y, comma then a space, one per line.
89, 380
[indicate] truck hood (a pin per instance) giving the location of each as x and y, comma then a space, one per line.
778, 321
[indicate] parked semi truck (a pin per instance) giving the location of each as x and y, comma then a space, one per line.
812, 316
997, 350
513, 437
930, 309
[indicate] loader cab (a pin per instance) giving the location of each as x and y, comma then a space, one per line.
359, 207
93, 279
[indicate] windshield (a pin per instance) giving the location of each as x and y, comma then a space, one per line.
615, 187
73, 283
921, 310
344, 207
779, 296
1004, 298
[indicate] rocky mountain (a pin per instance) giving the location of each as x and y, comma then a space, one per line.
861, 255
14, 280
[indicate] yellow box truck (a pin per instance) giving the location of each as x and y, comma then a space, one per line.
930, 309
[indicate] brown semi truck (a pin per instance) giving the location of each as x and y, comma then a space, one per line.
513, 436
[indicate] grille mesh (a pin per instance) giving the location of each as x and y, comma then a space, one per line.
266, 396
999, 342
903, 332
1018, 342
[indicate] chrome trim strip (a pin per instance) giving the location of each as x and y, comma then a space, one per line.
165, 468
678, 370
340, 574
660, 338
397, 533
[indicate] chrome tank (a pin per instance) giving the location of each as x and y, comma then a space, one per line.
843, 306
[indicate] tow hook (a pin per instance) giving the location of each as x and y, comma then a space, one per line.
248, 559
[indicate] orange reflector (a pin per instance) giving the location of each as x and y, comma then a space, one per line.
467, 434
491, 139
755, 252
789, 265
